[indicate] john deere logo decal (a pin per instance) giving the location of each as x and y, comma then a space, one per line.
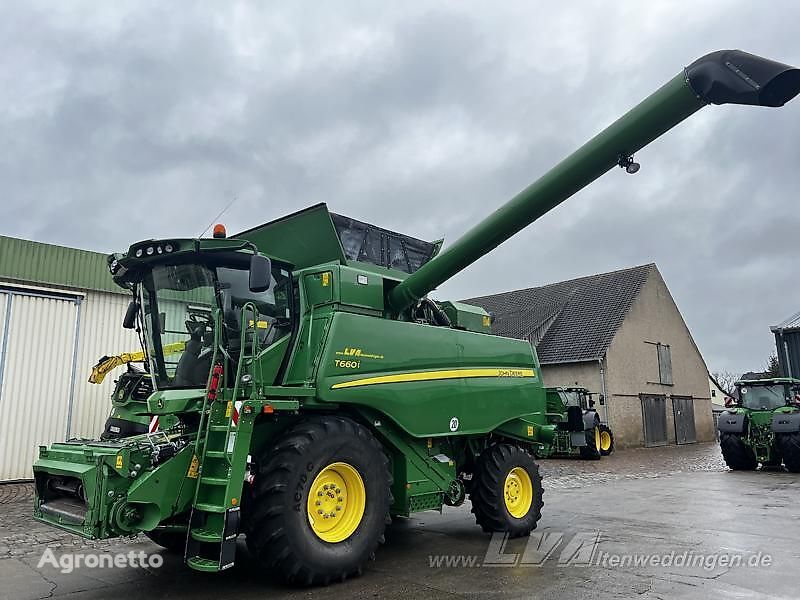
356, 352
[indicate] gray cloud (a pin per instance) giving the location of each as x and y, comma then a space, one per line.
127, 121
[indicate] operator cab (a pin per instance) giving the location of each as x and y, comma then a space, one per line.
580, 397
767, 394
180, 297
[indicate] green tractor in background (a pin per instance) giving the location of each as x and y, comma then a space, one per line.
129, 414
762, 425
579, 429
318, 391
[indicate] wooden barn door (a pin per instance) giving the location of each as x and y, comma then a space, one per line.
654, 419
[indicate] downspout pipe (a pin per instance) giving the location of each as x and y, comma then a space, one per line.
603, 389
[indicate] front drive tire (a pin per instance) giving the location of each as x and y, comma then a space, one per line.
320, 503
738, 456
789, 444
506, 491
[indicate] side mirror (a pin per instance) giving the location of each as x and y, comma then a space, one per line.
260, 273
129, 322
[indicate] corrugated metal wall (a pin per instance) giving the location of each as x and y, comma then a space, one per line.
52, 340
101, 334
3, 342
788, 347
39, 340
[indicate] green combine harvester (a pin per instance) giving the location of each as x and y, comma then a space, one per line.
762, 425
320, 391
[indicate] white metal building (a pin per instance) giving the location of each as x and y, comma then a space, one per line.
59, 313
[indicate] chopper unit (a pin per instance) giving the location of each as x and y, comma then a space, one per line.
320, 392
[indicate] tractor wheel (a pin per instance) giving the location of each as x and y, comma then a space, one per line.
172, 541
606, 440
789, 444
593, 447
506, 491
738, 455
320, 504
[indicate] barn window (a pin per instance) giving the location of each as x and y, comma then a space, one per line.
664, 364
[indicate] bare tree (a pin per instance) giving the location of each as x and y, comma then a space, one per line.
773, 367
725, 380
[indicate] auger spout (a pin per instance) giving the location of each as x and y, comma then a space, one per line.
723, 77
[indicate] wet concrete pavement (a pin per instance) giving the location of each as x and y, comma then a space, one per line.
605, 525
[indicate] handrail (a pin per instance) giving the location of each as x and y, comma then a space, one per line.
248, 306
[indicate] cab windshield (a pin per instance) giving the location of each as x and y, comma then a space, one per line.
763, 397
178, 304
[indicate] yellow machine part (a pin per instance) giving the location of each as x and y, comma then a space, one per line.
108, 363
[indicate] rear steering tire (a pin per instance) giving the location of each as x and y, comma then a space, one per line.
738, 455
606, 440
789, 444
320, 503
506, 491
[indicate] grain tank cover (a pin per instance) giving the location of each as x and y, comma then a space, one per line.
366, 243
303, 239
315, 236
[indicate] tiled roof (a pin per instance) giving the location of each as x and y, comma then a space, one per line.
569, 321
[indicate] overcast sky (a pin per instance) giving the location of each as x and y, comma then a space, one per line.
124, 123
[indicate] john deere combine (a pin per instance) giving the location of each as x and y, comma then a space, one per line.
320, 391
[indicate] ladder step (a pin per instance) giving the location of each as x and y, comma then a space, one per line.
214, 480
212, 508
216, 453
208, 536
199, 563
220, 428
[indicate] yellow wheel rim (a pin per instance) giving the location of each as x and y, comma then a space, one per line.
597, 442
605, 441
518, 492
336, 502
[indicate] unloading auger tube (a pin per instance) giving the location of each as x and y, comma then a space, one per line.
723, 77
